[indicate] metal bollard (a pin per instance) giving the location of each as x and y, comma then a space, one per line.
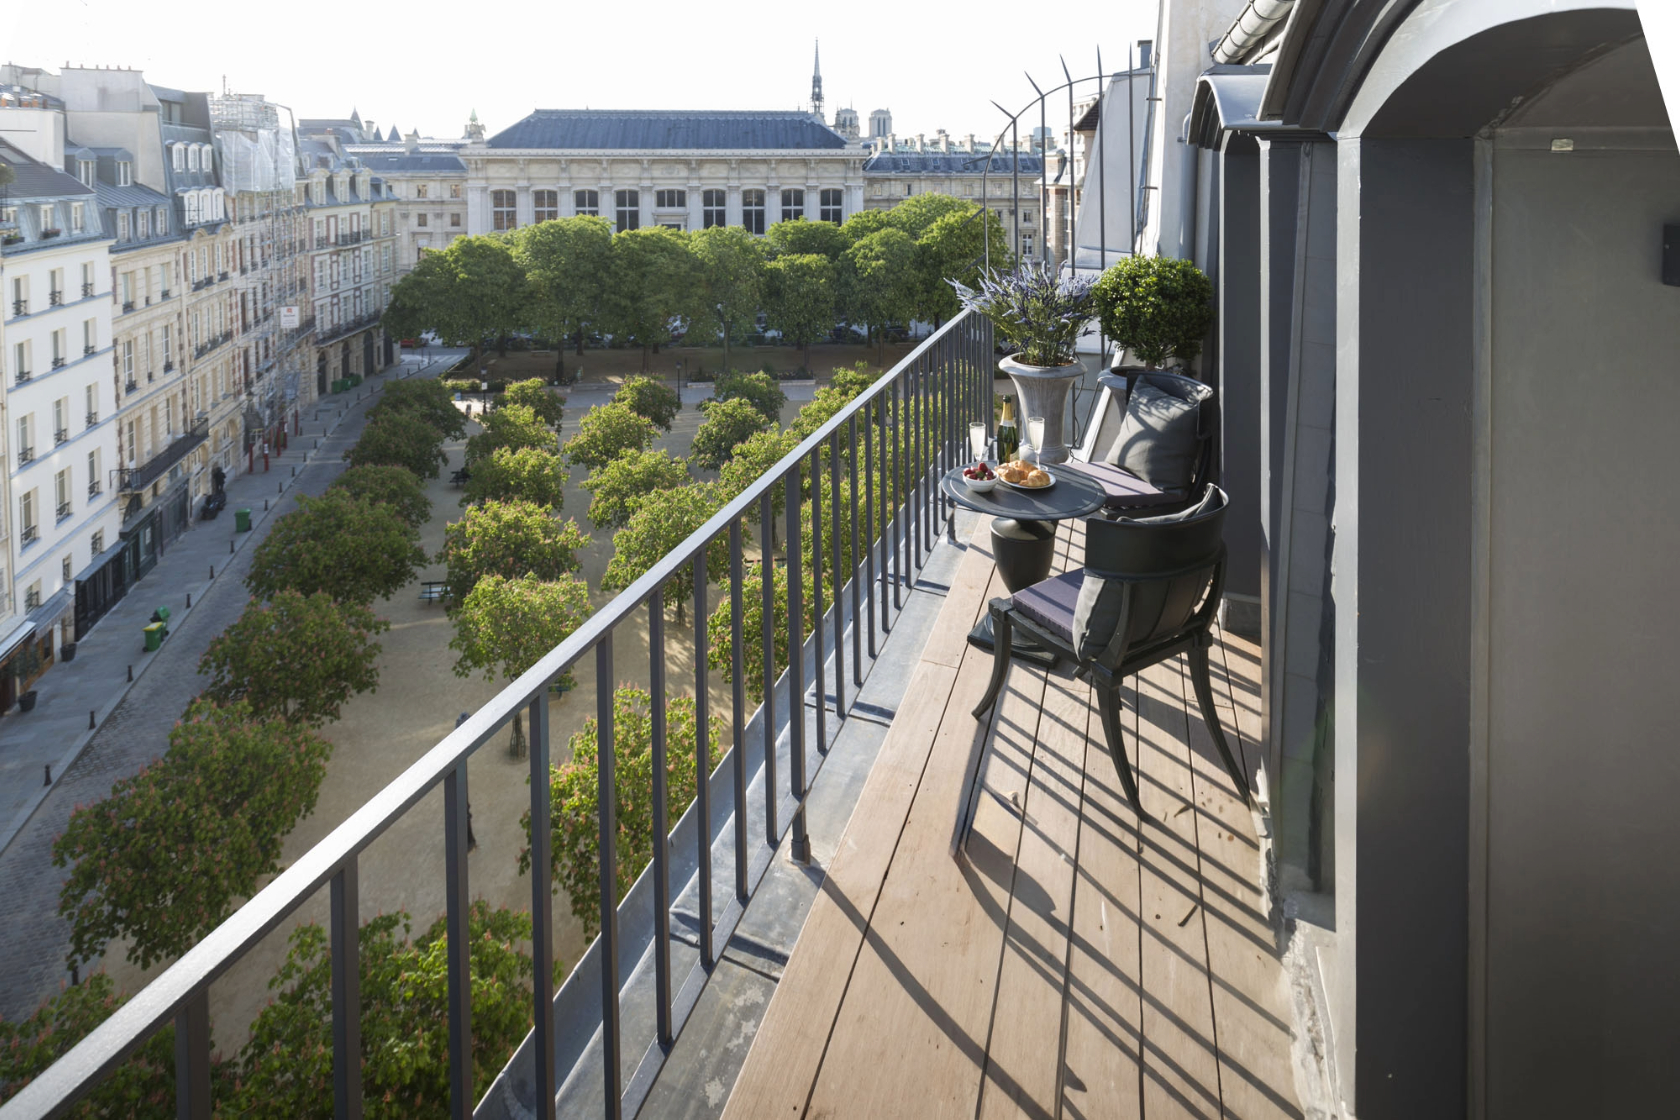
48, 782
279, 487
131, 674
189, 600
212, 571
91, 726
294, 470
230, 548
265, 505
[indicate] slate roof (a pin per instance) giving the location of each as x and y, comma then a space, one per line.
37, 180
950, 163
418, 161
597, 129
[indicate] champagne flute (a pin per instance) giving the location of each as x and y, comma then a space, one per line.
977, 440
1035, 435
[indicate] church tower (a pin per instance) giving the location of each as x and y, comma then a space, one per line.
475, 131
816, 83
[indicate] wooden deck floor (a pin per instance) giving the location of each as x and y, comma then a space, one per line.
1069, 966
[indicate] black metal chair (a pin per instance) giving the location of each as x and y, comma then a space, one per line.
1131, 496
1149, 591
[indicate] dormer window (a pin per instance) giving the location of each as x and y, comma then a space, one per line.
192, 157
84, 171
178, 156
142, 227
77, 221
125, 173
47, 217
162, 221
122, 225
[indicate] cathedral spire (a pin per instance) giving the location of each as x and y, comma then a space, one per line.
816, 82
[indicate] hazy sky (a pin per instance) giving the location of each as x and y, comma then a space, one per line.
426, 65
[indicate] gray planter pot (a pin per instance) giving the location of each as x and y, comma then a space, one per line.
1043, 391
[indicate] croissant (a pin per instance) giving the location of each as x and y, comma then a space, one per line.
1037, 478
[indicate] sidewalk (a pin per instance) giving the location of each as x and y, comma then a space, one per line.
38, 748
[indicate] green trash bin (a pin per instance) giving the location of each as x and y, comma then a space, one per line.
154, 636
242, 521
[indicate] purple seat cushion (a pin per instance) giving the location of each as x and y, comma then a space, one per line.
1050, 603
1121, 488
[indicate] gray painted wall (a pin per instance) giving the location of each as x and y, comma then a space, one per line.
1583, 845
1239, 363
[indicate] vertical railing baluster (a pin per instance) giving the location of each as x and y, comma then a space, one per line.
606, 801
458, 951
872, 538
192, 1057
542, 910
817, 602
738, 707
898, 504
767, 635
346, 992
703, 761
839, 580
661, 827
857, 592
800, 845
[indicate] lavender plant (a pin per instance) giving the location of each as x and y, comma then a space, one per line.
1036, 310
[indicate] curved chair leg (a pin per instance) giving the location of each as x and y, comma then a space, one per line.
1108, 703
1001, 635
1204, 697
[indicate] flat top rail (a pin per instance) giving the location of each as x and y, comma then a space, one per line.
113, 1041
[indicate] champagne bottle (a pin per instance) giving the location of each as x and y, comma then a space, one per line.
1008, 440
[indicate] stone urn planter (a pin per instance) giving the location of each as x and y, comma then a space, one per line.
1043, 391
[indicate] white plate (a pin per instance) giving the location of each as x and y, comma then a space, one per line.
1030, 489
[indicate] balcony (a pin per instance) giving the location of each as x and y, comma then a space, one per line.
128, 305
348, 327
87, 289
221, 276
63, 511
55, 298
168, 367
165, 294
22, 376
20, 307
200, 285
58, 362
95, 489
92, 419
29, 535
135, 479
26, 455
131, 386
61, 435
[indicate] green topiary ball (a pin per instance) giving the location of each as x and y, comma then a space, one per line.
1156, 307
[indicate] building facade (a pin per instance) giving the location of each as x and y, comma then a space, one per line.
1004, 182
686, 169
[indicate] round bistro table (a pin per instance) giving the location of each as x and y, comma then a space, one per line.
1024, 535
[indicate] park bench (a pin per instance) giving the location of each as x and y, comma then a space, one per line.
461, 477
434, 591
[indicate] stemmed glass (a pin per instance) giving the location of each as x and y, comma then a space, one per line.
1035, 436
977, 441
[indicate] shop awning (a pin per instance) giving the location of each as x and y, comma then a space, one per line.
15, 638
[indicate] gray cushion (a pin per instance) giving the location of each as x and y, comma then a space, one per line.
1157, 440
1050, 603
1096, 612
1121, 489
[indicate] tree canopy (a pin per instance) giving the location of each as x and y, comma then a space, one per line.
799, 295
507, 625
526, 473
652, 400
879, 278
512, 426
471, 291
758, 389
353, 549
297, 658
731, 277
654, 281
617, 487
573, 796
166, 857
549, 408
567, 264
662, 521
727, 423
396, 487
749, 461
801, 238
425, 399
510, 539
605, 433
399, 439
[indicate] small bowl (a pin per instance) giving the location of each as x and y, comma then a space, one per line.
980, 485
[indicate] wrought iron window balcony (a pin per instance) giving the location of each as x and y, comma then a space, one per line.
94, 489
221, 276
55, 298
20, 307
128, 305
92, 419
26, 455
63, 510
131, 386
165, 294
58, 363
891, 445
89, 350
138, 478
23, 375
61, 435
168, 367
87, 290
51, 233
31, 533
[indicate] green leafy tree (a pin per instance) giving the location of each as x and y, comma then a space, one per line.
607, 432
396, 487
573, 796
758, 389
617, 487
511, 539
664, 520
518, 473
862, 223
654, 280
567, 263
749, 461
828, 401
727, 423
512, 427
141, 1088
424, 399
799, 292
166, 857
650, 399
508, 625
399, 439
353, 549
1156, 307
549, 408
286, 1069
878, 275
953, 247
297, 658
473, 291
731, 278
919, 213
801, 238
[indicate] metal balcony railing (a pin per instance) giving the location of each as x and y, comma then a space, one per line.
26, 455
30, 533
20, 307
94, 489
87, 289
63, 510
23, 375
131, 386
165, 294
61, 435
58, 362
92, 419
138, 478
55, 298
890, 445
128, 305
89, 350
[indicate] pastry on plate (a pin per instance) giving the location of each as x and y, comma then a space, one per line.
1036, 477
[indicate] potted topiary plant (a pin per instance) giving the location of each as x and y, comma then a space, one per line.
1156, 308
1042, 315
26, 666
